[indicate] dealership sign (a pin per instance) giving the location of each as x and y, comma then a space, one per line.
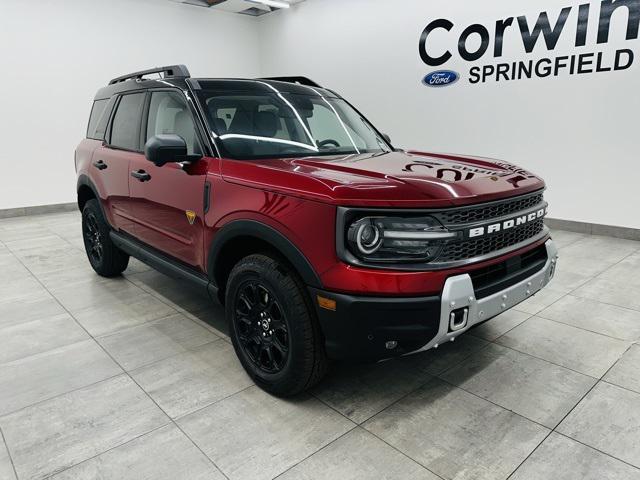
595, 61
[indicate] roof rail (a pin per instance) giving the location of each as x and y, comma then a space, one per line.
178, 71
301, 80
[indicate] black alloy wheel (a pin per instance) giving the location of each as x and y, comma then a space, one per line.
104, 256
273, 325
262, 327
93, 238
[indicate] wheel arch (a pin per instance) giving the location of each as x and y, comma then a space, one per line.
86, 191
240, 238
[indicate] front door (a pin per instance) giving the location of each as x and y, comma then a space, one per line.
168, 201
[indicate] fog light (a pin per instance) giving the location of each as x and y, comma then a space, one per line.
391, 344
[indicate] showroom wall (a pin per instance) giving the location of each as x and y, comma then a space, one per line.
53, 63
578, 130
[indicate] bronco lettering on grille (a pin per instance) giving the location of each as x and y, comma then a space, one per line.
506, 224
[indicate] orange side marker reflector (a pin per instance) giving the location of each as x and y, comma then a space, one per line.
326, 303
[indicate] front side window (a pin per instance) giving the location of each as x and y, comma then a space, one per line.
251, 125
125, 130
169, 113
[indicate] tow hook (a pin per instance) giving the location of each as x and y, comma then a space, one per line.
458, 319
552, 268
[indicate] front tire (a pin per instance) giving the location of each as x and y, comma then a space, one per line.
273, 326
105, 258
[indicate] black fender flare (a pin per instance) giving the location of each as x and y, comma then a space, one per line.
85, 181
243, 228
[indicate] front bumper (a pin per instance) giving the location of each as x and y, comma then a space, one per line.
370, 328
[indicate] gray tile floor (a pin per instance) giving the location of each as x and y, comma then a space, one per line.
135, 378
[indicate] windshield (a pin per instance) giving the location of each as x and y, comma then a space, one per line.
249, 125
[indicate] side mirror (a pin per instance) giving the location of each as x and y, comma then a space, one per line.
166, 148
387, 138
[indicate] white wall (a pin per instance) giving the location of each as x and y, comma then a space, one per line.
55, 54
579, 132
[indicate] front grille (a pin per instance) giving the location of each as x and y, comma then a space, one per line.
466, 249
489, 212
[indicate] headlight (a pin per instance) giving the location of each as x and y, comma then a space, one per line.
396, 239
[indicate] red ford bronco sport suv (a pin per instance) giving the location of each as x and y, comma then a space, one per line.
279, 199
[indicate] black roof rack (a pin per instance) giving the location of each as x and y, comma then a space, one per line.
179, 71
301, 80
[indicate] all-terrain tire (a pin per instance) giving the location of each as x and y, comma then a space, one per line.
105, 257
306, 361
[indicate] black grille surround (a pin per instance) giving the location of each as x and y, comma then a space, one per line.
465, 249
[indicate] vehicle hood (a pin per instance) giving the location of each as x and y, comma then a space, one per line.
392, 179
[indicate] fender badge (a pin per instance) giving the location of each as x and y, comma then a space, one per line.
191, 216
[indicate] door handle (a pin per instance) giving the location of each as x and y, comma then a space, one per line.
100, 165
141, 175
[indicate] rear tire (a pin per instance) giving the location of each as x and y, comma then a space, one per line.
273, 326
105, 258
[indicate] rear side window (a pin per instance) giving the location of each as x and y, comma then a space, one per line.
96, 113
125, 128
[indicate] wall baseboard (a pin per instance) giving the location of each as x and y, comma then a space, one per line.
569, 225
38, 210
594, 228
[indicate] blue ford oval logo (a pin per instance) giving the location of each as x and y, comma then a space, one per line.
441, 78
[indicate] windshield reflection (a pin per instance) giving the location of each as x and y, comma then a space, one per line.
269, 123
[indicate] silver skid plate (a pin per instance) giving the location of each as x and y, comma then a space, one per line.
458, 293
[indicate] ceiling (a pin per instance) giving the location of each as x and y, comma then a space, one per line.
245, 7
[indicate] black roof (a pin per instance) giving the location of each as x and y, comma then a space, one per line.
178, 76
257, 85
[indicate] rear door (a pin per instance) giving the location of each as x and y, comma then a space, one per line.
112, 160
169, 200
